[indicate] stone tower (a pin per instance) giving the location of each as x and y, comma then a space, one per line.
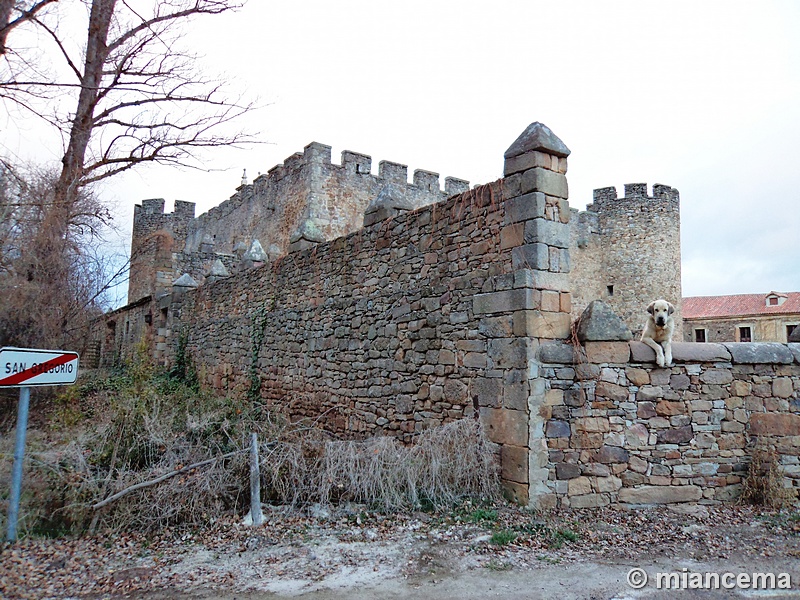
156, 236
627, 252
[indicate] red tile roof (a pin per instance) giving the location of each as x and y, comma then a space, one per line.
706, 307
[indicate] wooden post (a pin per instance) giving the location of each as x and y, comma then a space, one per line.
255, 483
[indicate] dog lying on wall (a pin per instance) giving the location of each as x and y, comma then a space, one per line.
658, 331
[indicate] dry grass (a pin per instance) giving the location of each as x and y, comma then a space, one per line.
149, 428
763, 485
446, 464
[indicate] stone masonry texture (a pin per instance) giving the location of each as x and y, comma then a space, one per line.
373, 306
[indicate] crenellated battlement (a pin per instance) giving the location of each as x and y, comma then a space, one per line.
301, 201
633, 191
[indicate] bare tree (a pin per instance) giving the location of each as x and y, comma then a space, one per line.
14, 13
136, 99
57, 312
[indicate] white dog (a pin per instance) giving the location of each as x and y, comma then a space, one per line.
658, 331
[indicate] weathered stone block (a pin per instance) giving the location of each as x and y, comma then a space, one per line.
612, 391
760, 353
676, 435
531, 256
488, 391
679, 382
667, 408
579, 486
599, 323
567, 471
775, 424
542, 280
509, 353
646, 410
586, 440
514, 463
716, 376
529, 160
496, 327
641, 352
524, 208
649, 393
607, 352
538, 179
612, 454
557, 352
794, 348
505, 426
698, 353
637, 435
608, 484
592, 424
512, 236
537, 137
782, 387
667, 494
551, 233
515, 492
637, 376
541, 324
557, 429
589, 501
504, 301
741, 388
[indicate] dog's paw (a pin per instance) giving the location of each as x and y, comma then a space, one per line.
660, 362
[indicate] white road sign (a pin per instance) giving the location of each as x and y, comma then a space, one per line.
27, 367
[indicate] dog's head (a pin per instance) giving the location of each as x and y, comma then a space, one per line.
660, 310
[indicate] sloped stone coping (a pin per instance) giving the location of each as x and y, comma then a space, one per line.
795, 348
692, 352
557, 352
761, 353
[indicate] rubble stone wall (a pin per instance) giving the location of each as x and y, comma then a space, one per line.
374, 332
620, 429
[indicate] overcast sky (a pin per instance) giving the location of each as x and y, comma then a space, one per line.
701, 96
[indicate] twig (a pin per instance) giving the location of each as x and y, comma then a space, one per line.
164, 477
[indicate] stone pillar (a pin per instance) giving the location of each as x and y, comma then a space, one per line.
537, 214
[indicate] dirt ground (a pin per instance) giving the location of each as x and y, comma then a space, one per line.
472, 552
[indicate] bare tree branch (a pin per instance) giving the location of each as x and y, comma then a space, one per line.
7, 24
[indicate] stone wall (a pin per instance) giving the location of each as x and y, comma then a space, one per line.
463, 308
432, 315
620, 429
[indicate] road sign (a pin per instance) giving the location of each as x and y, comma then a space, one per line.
24, 368
27, 367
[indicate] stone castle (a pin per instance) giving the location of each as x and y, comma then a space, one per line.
379, 306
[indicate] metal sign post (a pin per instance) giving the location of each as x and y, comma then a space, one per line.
23, 368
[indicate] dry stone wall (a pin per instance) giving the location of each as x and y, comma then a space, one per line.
463, 308
620, 429
425, 317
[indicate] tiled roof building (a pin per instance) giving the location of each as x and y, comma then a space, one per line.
768, 317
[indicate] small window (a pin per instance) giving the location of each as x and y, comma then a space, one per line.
790, 330
610, 289
772, 300
699, 335
745, 335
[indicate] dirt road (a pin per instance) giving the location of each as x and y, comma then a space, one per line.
473, 552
